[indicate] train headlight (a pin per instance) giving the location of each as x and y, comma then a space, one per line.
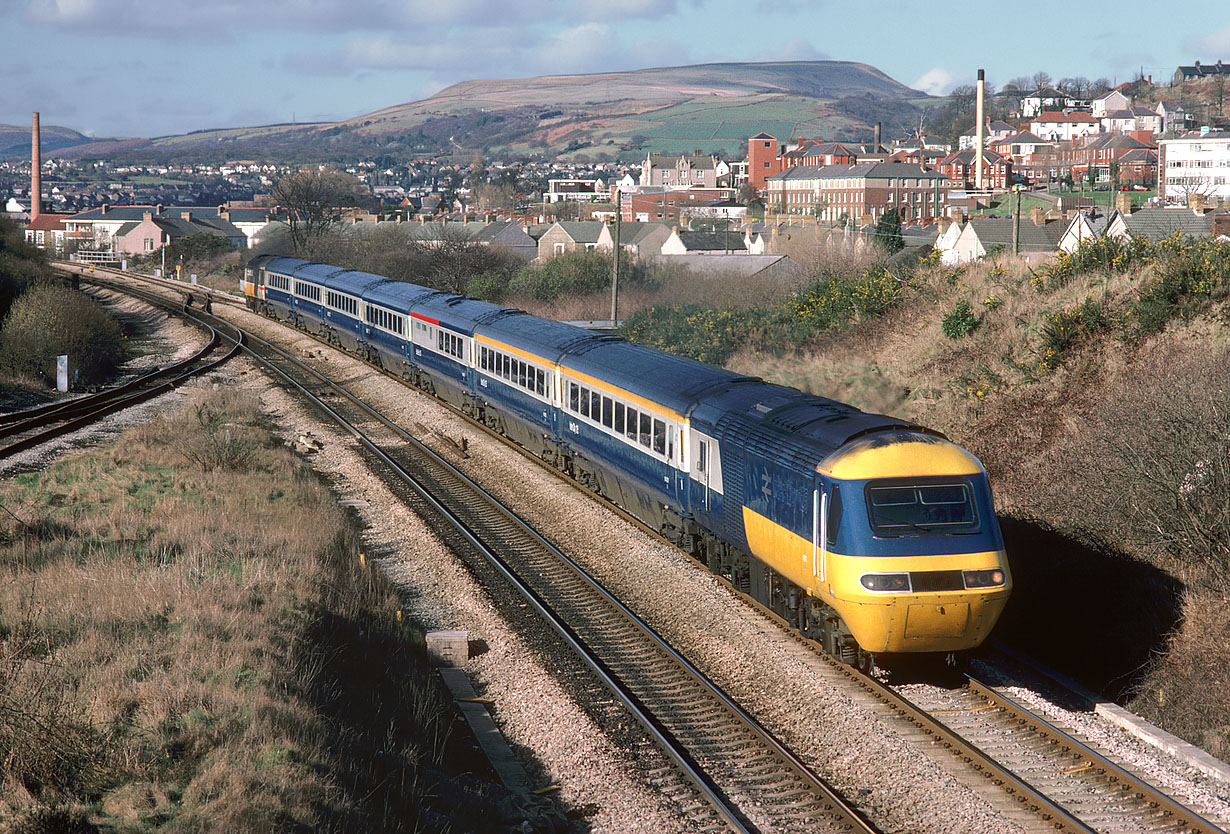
984, 578
885, 581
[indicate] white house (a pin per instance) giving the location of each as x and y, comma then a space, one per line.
1063, 127
1197, 163
1043, 99
1108, 103
1084, 227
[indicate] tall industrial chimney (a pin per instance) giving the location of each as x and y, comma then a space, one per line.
980, 138
875, 148
36, 173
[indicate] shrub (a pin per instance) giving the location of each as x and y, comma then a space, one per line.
960, 321
1107, 254
577, 273
1065, 328
1186, 269
48, 321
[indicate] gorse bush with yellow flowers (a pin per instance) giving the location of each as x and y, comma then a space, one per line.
829, 303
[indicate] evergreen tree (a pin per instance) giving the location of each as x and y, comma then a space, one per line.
888, 231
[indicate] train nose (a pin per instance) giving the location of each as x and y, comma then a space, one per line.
926, 620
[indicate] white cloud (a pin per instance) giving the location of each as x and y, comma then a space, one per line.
579, 49
1216, 45
936, 81
796, 49
591, 10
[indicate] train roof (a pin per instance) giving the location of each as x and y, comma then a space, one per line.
353, 282
546, 338
671, 381
804, 428
455, 311
397, 294
281, 263
316, 273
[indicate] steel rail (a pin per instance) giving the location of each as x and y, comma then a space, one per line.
1176, 814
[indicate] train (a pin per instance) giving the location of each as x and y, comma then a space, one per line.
875, 536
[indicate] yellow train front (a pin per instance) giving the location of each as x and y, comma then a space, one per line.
873, 535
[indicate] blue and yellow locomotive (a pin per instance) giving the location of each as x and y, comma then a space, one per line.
873, 535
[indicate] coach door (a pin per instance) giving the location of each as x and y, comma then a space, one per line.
706, 472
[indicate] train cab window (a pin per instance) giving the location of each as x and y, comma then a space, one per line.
903, 508
835, 514
659, 437
702, 456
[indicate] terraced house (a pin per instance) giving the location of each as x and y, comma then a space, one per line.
862, 192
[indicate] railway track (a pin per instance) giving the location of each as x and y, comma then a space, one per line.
1058, 782
22, 430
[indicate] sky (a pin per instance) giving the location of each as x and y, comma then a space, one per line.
150, 68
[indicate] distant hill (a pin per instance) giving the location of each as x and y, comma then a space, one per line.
708, 107
15, 140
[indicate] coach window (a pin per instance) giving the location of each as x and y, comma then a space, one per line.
584, 401
574, 396
659, 437
619, 418
541, 380
631, 431
521, 371
646, 430
608, 412
835, 513
670, 442
595, 406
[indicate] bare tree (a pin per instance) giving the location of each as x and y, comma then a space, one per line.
1041, 79
1098, 87
1075, 87
314, 199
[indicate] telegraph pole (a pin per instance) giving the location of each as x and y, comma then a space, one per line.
619, 214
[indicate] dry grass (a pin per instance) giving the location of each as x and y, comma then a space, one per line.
187, 641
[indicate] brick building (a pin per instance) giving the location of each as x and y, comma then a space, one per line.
863, 192
961, 173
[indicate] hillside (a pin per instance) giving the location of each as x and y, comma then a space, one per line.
15, 139
711, 107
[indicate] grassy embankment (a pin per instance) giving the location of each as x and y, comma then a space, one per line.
189, 642
1094, 388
